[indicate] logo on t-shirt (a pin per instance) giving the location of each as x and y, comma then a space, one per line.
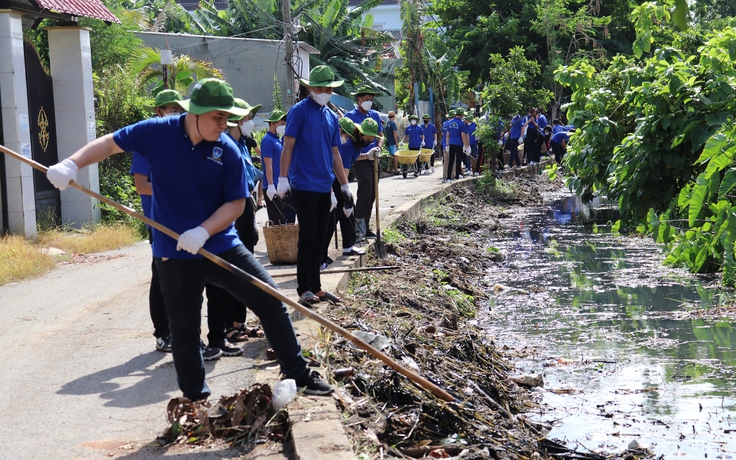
216, 155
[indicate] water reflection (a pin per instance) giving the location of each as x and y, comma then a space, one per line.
633, 366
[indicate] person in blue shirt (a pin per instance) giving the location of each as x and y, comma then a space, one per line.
350, 147
558, 142
415, 136
226, 315
445, 147
310, 161
557, 126
199, 189
391, 135
430, 139
363, 167
279, 211
473, 157
164, 105
457, 140
512, 143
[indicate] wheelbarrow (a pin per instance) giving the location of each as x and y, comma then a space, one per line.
424, 157
407, 160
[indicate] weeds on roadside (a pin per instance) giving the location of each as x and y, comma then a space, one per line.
88, 240
492, 188
21, 259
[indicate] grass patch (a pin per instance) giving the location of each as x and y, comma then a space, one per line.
88, 240
21, 259
490, 187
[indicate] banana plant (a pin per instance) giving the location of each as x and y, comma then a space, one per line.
181, 74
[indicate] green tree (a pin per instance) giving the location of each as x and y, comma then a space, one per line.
183, 71
509, 82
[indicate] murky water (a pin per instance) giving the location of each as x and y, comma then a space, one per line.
602, 321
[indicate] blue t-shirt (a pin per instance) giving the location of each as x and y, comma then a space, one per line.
271, 147
430, 135
140, 166
560, 136
557, 128
471, 134
415, 133
444, 131
389, 132
190, 182
357, 116
542, 122
316, 131
349, 152
515, 129
456, 127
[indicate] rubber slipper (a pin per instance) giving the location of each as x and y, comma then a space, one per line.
254, 331
329, 297
308, 299
236, 335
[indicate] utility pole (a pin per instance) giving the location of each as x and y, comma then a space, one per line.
286, 6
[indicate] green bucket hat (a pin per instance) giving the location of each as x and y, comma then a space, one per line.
242, 104
165, 97
459, 111
210, 94
369, 127
413, 117
365, 89
426, 116
276, 115
322, 76
347, 125
470, 118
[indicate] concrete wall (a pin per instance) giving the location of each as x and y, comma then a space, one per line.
247, 64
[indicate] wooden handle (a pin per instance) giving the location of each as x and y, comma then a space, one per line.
419, 380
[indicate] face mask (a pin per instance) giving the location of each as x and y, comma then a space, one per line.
413, 122
426, 122
367, 105
280, 130
247, 127
172, 114
321, 99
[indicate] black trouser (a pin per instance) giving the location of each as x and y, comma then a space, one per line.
246, 225
281, 211
366, 195
347, 224
531, 149
156, 306
456, 159
312, 211
513, 146
558, 150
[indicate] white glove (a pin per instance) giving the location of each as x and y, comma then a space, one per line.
447, 149
434, 146
283, 188
62, 173
422, 143
466, 150
271, 192
333, 201
373, 153
347, 196
192, 240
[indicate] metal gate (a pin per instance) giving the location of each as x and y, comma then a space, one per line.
42, 124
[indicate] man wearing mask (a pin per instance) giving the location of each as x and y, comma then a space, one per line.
310, 161
430, 139
363, 167
278, 211
414, 134
457, 140
165, 105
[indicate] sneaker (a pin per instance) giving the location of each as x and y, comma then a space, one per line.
228, 349
461, 176
431, 170
210, 353
163, 344
313, 384
326, 262
370, 234
416, 174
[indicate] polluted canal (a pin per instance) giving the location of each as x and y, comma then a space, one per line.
631, 352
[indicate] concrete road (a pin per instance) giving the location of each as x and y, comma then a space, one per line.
81, 378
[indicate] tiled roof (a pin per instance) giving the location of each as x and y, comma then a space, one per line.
83, 8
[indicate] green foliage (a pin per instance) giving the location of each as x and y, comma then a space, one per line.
657, 136
276, 93
511, 86
183, 71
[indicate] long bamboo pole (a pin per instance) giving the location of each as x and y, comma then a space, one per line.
419, 380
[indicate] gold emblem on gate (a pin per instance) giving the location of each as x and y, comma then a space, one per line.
43, 129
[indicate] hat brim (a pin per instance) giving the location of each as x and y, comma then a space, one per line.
327, 84
196, 109
275, 120
374, 134
372, 93
230, 124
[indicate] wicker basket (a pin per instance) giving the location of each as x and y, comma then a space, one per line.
281, 242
